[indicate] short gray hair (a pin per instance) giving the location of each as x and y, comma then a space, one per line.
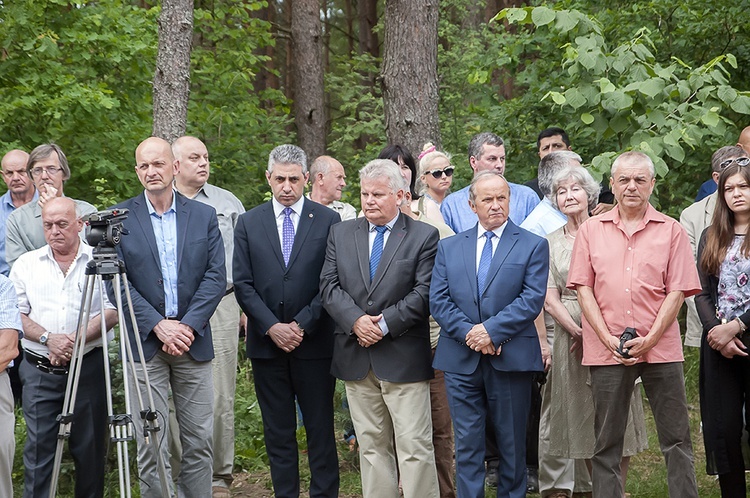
287, 154
482, 175
43, 151
631, 157
551, 164
379, 168
580, 176
480, 140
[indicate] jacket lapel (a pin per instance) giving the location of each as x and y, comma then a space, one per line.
395, 238
303, 229
470, 259
183, 221
268, 220
144, 223
504, 246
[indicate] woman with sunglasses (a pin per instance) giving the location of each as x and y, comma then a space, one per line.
724, 309
435, 179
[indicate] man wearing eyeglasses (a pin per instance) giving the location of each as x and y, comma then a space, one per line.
48, 169
696, 217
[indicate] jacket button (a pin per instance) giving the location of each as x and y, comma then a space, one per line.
160, 282
369, 303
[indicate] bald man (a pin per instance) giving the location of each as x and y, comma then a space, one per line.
744, 140
327, 181
175, 261
192, 171
21, 191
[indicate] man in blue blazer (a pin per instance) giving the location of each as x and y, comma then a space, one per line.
488, 285
174, 257
279, 251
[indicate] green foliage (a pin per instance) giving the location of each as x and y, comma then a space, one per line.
78, 74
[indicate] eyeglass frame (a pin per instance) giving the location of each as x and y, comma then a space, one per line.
438, 173
51, 170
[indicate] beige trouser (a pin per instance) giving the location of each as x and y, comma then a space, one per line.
7, 436
384, 412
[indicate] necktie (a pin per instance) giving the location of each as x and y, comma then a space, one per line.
377, 250
287, 232
484, 262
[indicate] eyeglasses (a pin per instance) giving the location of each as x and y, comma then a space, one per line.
51, 171
438, 173
739, 161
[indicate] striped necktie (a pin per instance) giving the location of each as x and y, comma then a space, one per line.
484, 262
377, 250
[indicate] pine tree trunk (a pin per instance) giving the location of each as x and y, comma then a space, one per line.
307, 67
172, 75
410, 85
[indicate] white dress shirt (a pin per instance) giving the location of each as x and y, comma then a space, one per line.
278, 211
481, 239
53, 299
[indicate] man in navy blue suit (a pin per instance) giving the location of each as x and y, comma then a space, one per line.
174, 257
485, 301
279, 251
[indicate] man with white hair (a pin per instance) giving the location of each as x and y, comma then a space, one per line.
375, 284
327, 181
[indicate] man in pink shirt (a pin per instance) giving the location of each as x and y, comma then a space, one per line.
632, 268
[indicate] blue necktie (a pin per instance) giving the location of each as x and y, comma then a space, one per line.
377, 250
287, 232
484, 262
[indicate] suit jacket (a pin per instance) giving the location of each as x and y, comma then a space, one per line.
270, 292
201, 274
514, 297
399, 291
695, 218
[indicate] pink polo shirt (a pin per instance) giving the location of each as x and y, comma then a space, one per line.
630, 277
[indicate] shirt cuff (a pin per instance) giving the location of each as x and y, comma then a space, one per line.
383, 326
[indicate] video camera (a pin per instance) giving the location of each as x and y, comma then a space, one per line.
104, 228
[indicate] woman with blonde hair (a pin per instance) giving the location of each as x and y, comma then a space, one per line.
435, 179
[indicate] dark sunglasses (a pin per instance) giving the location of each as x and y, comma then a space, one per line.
439, 172
740, 161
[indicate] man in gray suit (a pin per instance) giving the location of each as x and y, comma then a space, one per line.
375, 284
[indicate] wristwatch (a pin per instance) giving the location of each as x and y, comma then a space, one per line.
43, 338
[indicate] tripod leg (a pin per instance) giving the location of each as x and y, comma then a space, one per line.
149, 417
74, 372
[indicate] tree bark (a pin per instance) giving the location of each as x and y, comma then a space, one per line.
172, 76
409, 74
367, 11
307, 67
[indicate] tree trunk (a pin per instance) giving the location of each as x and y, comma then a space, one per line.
410, 84
172, 75
367, 11
309, 94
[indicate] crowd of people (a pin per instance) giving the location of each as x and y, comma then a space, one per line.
496, 335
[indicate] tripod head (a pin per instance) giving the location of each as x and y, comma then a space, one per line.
103, 232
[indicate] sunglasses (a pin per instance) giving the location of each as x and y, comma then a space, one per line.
740, 161
439, 172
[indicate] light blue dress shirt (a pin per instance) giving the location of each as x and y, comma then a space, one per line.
7, 207
544, 219
165, 232
459, 216
10, 317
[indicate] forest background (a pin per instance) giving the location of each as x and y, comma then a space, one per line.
346, 77
669, 78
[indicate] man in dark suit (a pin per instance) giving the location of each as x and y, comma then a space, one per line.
174, 257
375, 284
488, 285
279, 251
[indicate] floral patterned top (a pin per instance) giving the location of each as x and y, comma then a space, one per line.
734, 291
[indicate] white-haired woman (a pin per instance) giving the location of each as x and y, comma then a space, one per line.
575, 193
435, 179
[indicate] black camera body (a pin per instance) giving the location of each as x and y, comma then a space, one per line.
104, 228
627, 334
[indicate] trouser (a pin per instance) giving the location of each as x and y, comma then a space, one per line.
442, 435
7, 435
43, 397
192, 390
665, 388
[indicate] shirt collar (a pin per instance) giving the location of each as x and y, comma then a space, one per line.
152, 211
278, 207
498, 231
8, 200
651, 215
389, 225
48, 253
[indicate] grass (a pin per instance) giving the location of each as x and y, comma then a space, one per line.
646, 479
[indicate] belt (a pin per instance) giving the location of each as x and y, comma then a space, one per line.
43, 363
229, 291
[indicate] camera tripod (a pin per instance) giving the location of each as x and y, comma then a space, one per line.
105, 265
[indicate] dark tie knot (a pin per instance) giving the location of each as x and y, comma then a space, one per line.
381, 229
